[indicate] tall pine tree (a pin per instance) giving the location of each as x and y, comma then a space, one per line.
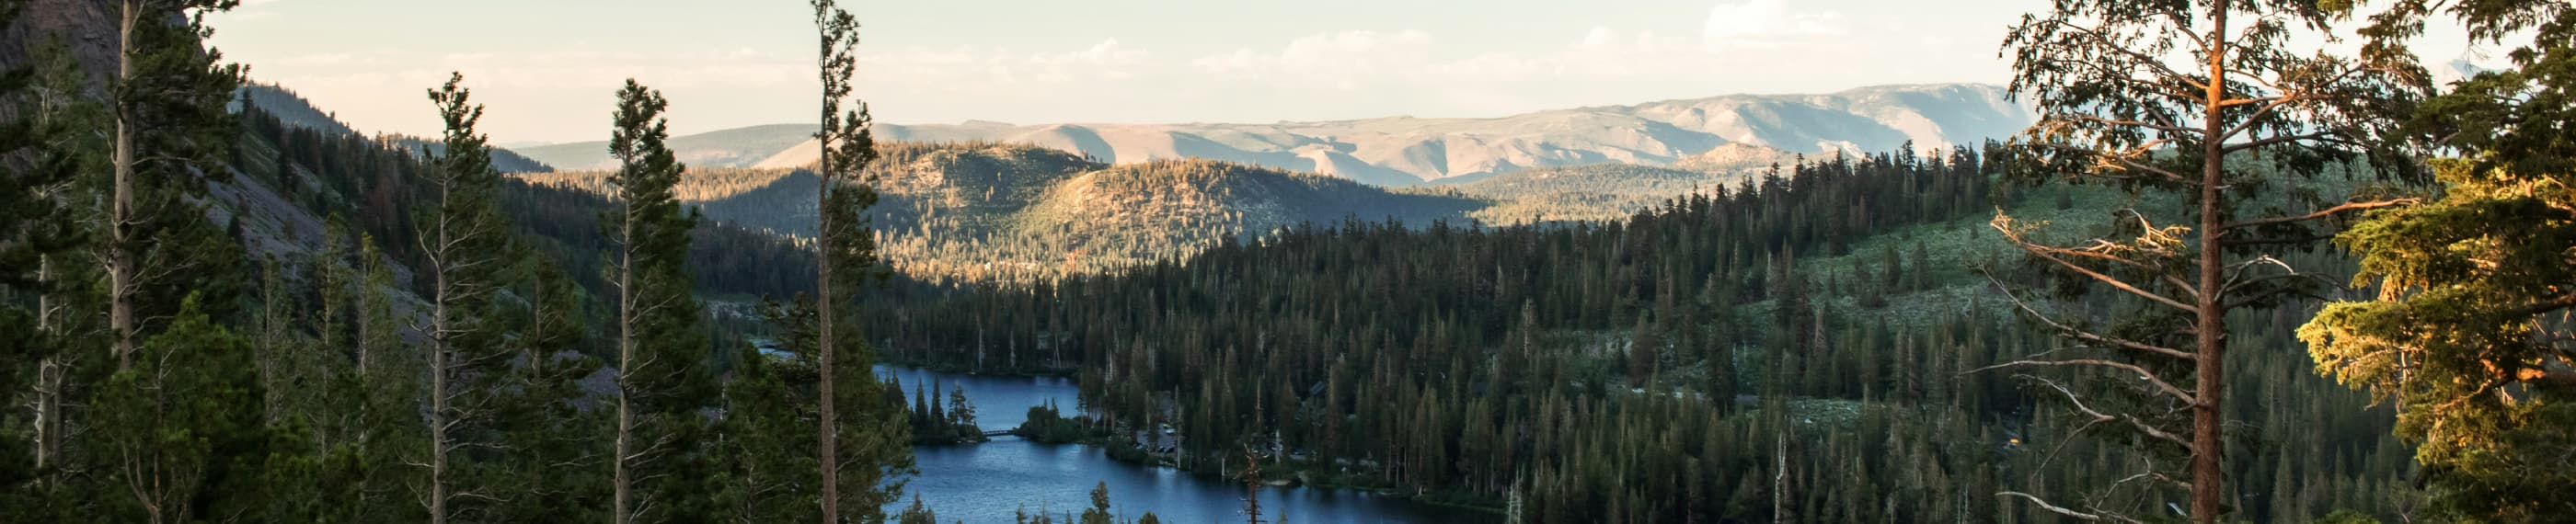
874, 455
2207, 103
171, 134
465, 241
659, 348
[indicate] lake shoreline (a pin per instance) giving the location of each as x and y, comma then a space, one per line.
993, 480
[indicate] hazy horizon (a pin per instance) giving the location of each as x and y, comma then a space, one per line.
547, 69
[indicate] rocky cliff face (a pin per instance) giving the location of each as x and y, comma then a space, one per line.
271, 225
84, 27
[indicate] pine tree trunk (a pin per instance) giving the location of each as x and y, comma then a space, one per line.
122, 268
626, 324
49, 374
272, 359
2211, 327
1780, 479
827, 435
439, 362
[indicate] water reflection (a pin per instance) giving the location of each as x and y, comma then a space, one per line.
988, 482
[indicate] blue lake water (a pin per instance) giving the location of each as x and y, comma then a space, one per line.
988, 482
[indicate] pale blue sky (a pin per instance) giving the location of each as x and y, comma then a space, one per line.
547, 68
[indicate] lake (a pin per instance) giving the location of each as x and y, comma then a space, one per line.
988, 482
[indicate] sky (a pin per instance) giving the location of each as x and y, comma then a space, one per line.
547, 70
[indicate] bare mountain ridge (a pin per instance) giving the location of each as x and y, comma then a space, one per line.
1403, 151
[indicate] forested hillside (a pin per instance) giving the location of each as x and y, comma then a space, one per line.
319, 174
1806, 346
981, 211
984, 211
1590, 193
239, 316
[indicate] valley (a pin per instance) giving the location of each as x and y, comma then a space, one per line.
986, 211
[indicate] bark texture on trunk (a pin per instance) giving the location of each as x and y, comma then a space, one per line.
50, 374
626, 313
828, 434
2211, 326
122, 268
440, 360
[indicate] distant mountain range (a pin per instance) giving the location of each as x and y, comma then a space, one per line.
984, 210
1014, 211
1039, 203
1405, 151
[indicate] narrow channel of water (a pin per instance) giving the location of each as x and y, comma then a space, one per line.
988, 482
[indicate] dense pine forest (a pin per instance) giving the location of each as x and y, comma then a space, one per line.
1805, 344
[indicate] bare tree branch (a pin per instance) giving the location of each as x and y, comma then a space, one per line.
2069, 513
2134, 422
2327, 212
2087, 336
2043, 252
2162, 386
2329, 136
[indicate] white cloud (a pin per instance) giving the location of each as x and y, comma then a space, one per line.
994, 66
1603, 54
1348, 60
1340, 60
1409, 72
1767, 24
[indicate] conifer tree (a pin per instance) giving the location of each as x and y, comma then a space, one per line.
378, 334
171, 134
464, 244
1643, 344
1098, 513
2470, 335
373, 424
659, 349
280, 352
2206, 102
874, 456
767, 426
180, 426
917, 513
45, 147
329, 274
552, 466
